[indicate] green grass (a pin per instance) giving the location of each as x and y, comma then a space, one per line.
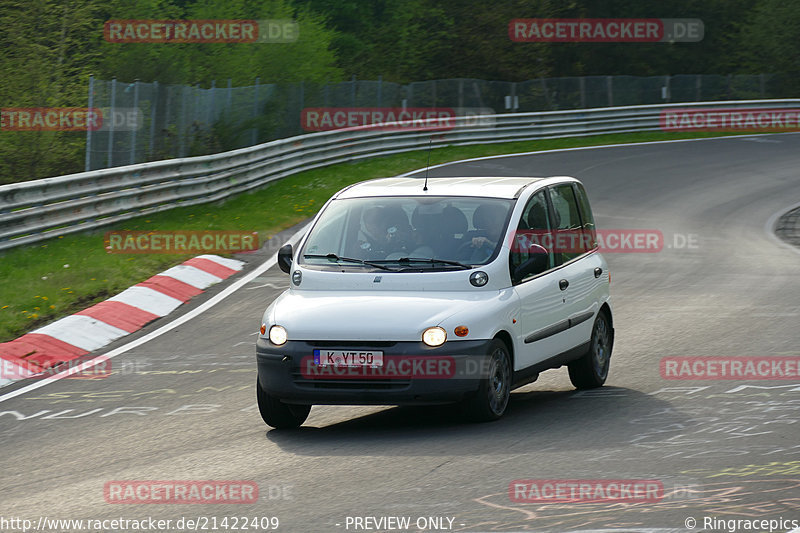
43, 282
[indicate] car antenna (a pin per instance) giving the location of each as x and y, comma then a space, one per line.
425, 187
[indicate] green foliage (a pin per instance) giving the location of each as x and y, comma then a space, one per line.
47, 50
423, 39
772, 34
309, 58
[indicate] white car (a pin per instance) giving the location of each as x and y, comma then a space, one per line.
423, 291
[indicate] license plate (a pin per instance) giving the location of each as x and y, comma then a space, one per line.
348, 358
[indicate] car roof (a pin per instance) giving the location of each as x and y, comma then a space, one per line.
481, 186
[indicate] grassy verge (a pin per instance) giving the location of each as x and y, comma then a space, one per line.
61, 276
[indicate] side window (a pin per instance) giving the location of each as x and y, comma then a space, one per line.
534, 228
589, 229
569, 238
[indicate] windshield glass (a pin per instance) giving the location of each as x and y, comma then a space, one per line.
408, 231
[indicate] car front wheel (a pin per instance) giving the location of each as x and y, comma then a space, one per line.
278, 414
591, 370
491, 400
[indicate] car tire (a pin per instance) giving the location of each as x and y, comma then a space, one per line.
278, 414
491, 399
591, 370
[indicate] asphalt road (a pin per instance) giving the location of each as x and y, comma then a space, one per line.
182, 406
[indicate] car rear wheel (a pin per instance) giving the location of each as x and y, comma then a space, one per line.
591, 370
491, 400
278, 414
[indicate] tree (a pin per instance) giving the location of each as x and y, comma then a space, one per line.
47, 50
308, 59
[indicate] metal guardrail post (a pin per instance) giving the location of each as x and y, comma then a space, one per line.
196, 113
229, 97
88, 160
210, 112
110, 162
136, 110
255, 112
302, 100
182, 124
153, 117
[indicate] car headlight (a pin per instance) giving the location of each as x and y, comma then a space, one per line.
434, 336
277, 335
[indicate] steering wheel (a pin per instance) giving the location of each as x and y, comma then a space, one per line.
477, 255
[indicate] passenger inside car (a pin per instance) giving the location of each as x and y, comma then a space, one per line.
385, 231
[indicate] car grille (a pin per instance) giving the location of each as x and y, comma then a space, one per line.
349, 384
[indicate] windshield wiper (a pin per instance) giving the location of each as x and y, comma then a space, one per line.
334, 257
431, 260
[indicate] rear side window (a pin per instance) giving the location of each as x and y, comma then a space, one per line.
587, 219
570, 239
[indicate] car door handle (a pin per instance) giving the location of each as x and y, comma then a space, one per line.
598, 272
563, 284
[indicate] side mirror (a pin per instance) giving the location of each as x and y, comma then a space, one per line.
535, 265
285, 258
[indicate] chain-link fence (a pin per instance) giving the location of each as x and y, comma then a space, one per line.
149, 121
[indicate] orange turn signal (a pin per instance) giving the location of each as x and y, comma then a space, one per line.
461, 331
263, 328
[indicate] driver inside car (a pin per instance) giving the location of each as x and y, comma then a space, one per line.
385, 231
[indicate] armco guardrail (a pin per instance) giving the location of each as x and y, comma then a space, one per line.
37, 210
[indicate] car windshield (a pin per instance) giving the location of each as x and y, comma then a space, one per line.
408, 233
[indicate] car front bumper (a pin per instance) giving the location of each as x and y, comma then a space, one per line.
413, 373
